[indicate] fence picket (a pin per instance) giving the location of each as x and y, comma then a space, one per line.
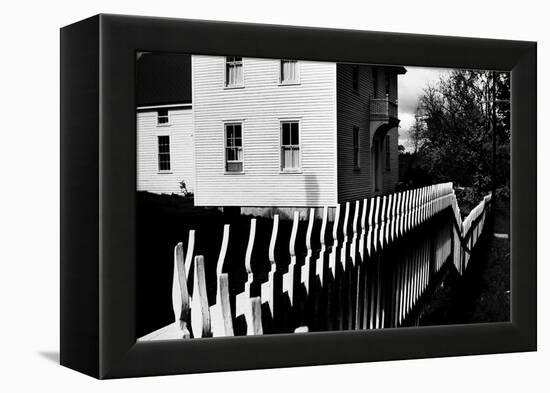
180, 293
244, 304
267, 289
220, 312
200, 313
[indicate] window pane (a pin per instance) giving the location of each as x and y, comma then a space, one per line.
295, 157
233, 151
164, 153
238, 130
229, 133
234, 167
294, 138
287, 157
227, 74
289, 70
229, 154
233, 71
286, 134
239, 74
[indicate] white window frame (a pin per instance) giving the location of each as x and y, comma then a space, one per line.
228, 85
158, 116
296, 80
159, 153
225, 147
297, 169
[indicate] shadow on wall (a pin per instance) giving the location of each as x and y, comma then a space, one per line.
311, 187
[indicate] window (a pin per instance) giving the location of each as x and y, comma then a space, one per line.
375, 81
233, 147
233, 71
387, 80
162, 117
356, 158
387, 144
355, 78
289, 71
290, 146
164, 153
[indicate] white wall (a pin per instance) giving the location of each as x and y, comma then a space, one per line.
260, 105
180, 132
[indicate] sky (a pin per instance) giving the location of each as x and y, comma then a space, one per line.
410, 90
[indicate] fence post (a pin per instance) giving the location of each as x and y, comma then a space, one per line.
267, 289
245, 304
320, 263
334, 248
363, 231
306, 267
189, 253
200, 313
288, 277
180, 293
222, 323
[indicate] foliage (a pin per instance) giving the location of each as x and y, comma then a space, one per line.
183, 188
453, 133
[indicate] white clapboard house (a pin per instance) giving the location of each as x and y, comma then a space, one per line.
271, 132
164, 123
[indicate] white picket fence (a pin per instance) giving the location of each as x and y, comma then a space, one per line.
370, 272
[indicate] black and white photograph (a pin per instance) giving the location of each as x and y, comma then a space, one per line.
274, 197
287, 196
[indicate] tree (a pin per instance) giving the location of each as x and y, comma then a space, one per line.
453, 131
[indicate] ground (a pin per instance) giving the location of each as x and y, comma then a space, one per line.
483, 293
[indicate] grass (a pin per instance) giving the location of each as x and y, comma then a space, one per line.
483, 293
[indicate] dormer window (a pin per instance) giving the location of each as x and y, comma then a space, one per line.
163, 119
289, 71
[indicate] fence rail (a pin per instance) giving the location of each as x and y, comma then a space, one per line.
368, 268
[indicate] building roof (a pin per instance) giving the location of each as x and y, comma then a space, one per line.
163, 79
400, 70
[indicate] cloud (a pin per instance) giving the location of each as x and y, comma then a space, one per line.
411, 87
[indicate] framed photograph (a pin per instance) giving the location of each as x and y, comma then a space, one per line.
240, 196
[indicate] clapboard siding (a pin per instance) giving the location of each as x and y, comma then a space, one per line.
390, 178
261, 105
353, 111
180, 131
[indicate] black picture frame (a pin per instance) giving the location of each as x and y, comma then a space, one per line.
98, 196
